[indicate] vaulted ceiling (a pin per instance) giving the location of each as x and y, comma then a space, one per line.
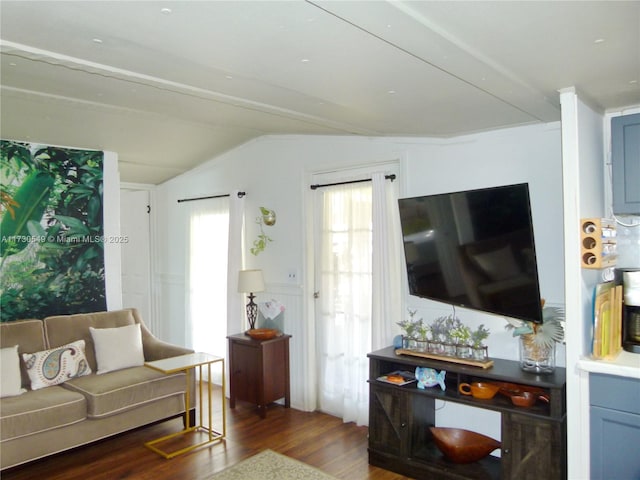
170, 84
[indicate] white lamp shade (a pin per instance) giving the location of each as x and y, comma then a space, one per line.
250, 281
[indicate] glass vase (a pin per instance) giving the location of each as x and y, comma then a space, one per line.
449, 349
409, 343
480, 353
463, 351
435, 347
536, 358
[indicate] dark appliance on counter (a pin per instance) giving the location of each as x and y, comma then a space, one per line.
629, 278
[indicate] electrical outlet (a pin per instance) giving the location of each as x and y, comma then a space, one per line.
292, 275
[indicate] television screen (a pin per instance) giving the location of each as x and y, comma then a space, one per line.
473, 249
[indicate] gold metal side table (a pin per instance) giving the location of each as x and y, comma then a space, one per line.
187, 364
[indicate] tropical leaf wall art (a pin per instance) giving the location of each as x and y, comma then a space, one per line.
51, 231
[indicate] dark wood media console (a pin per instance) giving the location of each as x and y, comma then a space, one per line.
534, 443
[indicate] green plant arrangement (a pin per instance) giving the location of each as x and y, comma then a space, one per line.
446, 335
410, 326
422, 331
478, 336
461, 335
449, 325
268, 218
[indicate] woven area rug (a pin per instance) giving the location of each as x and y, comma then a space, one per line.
269, 465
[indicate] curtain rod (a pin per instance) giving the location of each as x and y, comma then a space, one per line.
391, 177
240, 195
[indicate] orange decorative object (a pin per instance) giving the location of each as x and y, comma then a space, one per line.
463, 446
523, 395
263, 333
484, 390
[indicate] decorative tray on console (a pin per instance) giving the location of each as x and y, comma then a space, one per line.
446, 358
263, 333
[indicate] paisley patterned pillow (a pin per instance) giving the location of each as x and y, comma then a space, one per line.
55, 366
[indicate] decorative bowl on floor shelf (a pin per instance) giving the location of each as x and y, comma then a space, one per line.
463, 446
263, 333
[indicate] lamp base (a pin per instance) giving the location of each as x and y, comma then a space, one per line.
252, 311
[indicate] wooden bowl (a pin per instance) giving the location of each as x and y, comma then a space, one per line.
263, 333
463, 446
527, 399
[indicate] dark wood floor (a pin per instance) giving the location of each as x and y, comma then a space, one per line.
320, 440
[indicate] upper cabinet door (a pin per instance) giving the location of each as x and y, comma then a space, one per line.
625, 156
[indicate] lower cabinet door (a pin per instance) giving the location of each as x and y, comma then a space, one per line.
615, 444
388, 421
245, 374
532, 448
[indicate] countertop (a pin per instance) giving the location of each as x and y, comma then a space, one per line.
626, 364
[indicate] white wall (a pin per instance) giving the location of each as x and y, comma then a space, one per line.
583, 151
113, 239
276, 171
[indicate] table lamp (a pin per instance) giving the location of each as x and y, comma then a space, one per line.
251, 281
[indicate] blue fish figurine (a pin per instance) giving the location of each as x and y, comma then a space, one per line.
428, 377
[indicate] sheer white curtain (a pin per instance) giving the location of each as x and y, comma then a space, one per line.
387, 266
206, 276
343, 315
235, 300
360, 283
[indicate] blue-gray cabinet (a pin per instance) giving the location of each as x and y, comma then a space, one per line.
615, 427
625, 159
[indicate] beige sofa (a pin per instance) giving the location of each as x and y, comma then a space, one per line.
49, 420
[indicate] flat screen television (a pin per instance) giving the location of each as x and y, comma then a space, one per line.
473, 249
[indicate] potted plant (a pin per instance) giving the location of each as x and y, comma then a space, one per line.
450, 323
538, 340
479, 350
461, 336
422, 335
437, 330
410, 329
268, 218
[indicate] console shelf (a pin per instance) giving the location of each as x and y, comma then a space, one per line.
533, 439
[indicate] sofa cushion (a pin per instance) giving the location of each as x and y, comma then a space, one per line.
40, 410
122, 390
64, 329
117, 348
28, 335
52, 367
10, 381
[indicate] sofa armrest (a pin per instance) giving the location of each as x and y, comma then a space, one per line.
153, 347
156, 349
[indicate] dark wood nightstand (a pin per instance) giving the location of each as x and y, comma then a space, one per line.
259, 370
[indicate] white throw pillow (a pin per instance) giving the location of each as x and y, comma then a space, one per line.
117, 348
10, 381
55, 366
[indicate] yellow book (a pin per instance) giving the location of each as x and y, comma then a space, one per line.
601, 300
616, 341
605, 314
